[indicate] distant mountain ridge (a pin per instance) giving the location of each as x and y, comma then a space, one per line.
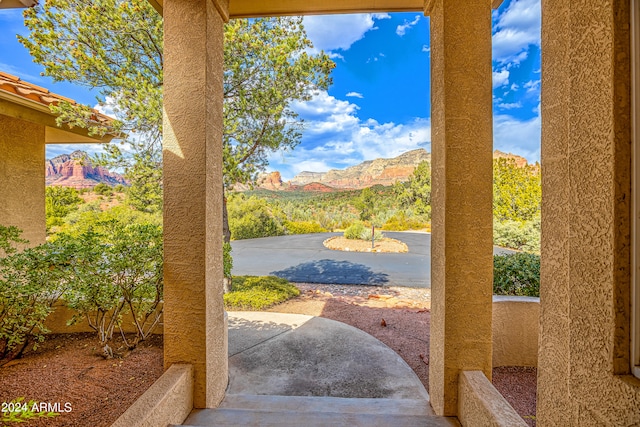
366, 174
75, 170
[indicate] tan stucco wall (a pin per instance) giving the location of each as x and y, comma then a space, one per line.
585, 267
57, 320
515, 331
194, 325
461, 240
22, 156
168, 401
480, 404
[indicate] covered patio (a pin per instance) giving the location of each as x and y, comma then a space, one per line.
587, 308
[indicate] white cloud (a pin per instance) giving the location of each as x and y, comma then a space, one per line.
426, 48
510, 106
522, 137
333, 32
354, 95
500, 78
532, 86
54, 150
517, 28
340, 139
401, 30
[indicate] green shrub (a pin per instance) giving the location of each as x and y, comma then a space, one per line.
60, 202
366, 234
523, 236
117, 270
103, 189
258, 292
516, 274
31, 281
303, 227
354, 231
251, 217
400, 222
227, 259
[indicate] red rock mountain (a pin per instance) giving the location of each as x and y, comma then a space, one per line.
75, 170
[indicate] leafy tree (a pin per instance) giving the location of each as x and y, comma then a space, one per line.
517, 193
252, 217
116, 46
103, 189
416, 192
59, 202
366, 204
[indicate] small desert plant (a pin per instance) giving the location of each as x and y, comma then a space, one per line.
303, 227
516, 274
366, 234
258, 292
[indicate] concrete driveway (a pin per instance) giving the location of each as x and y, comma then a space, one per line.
303, 258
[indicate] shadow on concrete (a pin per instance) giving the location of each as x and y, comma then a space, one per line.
333, 272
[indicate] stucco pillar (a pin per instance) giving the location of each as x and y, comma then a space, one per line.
583, 361
22, 157
462, 176
194, 317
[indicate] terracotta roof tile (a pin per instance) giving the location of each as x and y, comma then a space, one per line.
15, 85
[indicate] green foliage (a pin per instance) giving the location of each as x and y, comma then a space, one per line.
31, 281
9, 238
257, 293
116, 269
415, 194
267, 66
117, 47
401, 222
103, 189
251, 217
89, 217
366, 204
303, 227
517, 192
119, 188
21, 411
354, 231
523, 236
516, 274
227, 259
59, 202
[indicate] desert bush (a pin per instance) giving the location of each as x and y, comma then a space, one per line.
516, 274
59, 202
251, 217
401, 222
103, 189
523, 236
117, 270
31, 281
366, 234
303, 227
354, 231
258, 292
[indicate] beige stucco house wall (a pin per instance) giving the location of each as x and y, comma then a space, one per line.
26, 125
585, 321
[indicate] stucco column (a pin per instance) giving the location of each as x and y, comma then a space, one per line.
194, 319
22, 156
583, 360
462, 176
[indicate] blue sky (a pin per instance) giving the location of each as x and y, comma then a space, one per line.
379, 103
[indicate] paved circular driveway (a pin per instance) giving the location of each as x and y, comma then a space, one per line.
303, 258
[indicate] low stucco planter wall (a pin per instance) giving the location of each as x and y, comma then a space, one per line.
57, 320
516, 323
168, 401
480, 404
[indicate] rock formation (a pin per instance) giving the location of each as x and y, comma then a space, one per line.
75, 170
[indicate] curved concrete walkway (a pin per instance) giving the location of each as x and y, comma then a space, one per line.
294, 370
303, 258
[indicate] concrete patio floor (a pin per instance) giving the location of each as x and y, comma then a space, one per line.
293, 370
